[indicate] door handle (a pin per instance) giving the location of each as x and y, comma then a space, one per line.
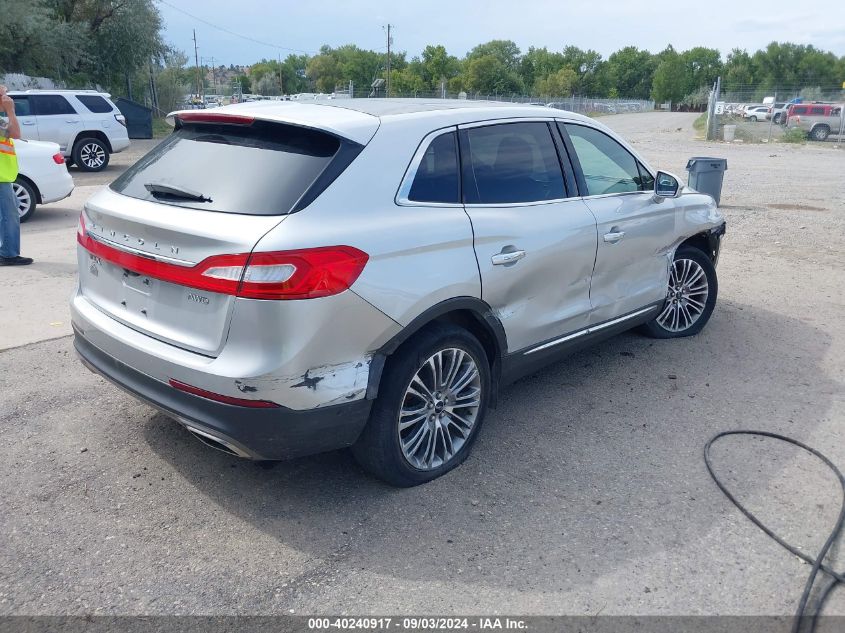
71, 120
614, 236
501, 259
28, 122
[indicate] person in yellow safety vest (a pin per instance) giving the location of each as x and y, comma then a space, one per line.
10, 223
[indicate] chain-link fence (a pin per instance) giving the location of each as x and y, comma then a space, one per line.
759, 114
585, 105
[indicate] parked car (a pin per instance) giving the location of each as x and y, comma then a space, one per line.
42, 176
86, 124
776, 112
756, 113
289, 278
818, 120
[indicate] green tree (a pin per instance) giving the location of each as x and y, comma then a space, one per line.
630, 72
538, 64
739, 71
489, 75
559, 84
670, 83
505, 52
702, 66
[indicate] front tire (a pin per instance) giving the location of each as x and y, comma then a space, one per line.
690, 297
431, 405
26, 197
91, 154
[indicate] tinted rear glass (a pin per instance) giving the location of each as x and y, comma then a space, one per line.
512, 163
437, 174
47, 105
261, 169
95, 103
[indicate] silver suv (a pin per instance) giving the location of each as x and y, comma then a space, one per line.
85, 123
290, 278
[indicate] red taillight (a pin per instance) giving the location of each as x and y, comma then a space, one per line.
301, 274
58, 159
215, 117
218, 397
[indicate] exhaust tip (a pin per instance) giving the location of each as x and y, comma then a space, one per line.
215, 442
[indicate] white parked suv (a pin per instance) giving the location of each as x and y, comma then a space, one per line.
85, 123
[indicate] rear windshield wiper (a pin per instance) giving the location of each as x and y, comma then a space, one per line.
171, 191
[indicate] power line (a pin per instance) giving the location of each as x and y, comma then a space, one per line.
230, 32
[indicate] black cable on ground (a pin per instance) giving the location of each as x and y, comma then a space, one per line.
818, 562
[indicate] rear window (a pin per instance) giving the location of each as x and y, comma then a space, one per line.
260, 169
816, 110
95, 103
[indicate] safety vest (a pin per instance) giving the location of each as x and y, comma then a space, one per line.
8, 161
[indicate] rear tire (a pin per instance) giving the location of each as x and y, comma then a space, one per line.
753, 119
425, 421
690, 297
90, 154
820, 133
27, 198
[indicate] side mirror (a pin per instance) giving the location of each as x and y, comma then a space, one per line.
666, 186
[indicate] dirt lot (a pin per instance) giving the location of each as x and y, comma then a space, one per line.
586, 492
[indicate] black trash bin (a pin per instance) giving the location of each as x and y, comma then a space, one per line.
139, 118
706, 174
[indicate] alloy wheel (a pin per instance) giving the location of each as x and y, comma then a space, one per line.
23, 197
687, 296
439, 409
92, 155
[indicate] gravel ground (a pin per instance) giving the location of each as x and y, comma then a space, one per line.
586, 492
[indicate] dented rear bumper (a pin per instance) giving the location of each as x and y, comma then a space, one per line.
260, 434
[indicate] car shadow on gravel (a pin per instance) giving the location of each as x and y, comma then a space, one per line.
584, 466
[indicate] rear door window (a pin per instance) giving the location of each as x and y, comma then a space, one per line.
816, 110
95, 103
512, 163
437, 179
258, 169
46, 105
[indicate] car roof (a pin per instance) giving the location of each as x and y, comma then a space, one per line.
59, 91
358, 119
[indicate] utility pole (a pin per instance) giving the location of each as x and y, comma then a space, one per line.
197, 62
281, 85
387, 89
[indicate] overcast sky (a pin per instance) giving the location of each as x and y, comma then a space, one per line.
605, 26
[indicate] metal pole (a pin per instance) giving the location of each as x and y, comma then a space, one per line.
281, 84
197, 62
772, 118
387, 88
841, 123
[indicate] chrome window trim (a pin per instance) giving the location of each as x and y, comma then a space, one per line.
522, 119
404, 191
589, 330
